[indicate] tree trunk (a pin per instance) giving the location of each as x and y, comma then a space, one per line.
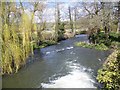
118, 29
71, 21
75, 19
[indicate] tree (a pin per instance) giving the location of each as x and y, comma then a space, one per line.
71, 21
118, 15
118, 30
75, 16
57, 20
16, 33
99, 17
59, 26
37, 7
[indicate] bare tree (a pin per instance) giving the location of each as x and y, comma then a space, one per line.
92, 8
70, 18
75, 17
118, 6
57, 20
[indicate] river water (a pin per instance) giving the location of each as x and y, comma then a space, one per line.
59, 66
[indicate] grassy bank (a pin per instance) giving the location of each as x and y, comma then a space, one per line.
95, 46
44, 44
109, 74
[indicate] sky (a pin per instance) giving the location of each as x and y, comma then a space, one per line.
51, 0
49, 11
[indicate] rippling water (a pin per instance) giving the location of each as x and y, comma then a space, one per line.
59, 66
77, 78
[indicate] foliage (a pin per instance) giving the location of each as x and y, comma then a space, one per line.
82, 32
84, 44
101, 38
16, 43
115, 45
61, 31
88, 45
50, 42
44, 44
114, 36
98, 38
101, 47
77, 32
109, 75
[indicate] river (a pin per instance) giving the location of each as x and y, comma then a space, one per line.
59, 66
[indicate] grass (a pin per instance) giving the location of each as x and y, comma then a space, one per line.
95, 46
44, 44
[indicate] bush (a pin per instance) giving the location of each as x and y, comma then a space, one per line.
101, 47
88, 45
61, 32
101, 38
49, 42
84, 44
83, 32
115, 45
114, 36
109, 75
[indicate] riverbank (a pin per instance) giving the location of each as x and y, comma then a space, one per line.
67, 35
42, 44
109, 74
91, 46
53, 66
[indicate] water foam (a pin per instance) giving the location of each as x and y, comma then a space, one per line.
77, 78
59, 50
69, 47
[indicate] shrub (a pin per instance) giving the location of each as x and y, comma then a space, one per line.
101, 47
114, 36
109, 75
88, 45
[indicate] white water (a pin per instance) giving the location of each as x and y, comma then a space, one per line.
59, 50
77, 78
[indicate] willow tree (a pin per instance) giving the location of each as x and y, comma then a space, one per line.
16, 42
36, 11
11, 50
